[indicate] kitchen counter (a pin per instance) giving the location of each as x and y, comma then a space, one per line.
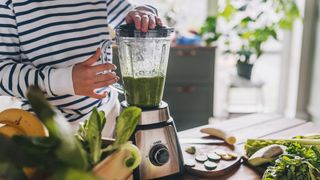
253, 126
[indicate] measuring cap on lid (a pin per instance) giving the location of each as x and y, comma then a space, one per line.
128, 30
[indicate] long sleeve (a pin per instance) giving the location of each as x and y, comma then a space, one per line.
117, 11
16, 76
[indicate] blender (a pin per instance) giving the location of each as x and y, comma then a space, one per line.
143, 59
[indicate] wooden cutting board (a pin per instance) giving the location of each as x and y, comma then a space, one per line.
224, 166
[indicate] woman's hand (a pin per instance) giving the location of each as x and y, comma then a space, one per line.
86, 77
143, 18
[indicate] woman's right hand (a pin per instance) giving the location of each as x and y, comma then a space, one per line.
86, 77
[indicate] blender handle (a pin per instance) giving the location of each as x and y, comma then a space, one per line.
106, 49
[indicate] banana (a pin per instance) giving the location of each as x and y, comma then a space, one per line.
26, 122
228, 138
8, 131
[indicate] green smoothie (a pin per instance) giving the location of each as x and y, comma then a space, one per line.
144, 91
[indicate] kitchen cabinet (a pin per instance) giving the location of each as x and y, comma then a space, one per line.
189, 84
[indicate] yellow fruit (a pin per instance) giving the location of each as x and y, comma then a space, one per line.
8, 131
28, 123
228, 138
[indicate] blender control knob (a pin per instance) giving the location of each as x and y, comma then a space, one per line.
159, 155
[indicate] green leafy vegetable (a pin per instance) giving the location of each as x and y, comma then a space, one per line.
38, 151
208, 31
69, 173
301, 161
125, 126
289, 167
90, 135
70, 150
11, 160
61, 155
9, 170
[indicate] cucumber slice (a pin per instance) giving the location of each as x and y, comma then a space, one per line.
190, 163
201, 158
210, 165
220, 152
213, 157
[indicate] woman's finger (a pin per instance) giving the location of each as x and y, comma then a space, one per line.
137, 21
102, 67
159, 22
144, 23
129, 18
105, 83
94, 58
105, 77
98, 95
152, 21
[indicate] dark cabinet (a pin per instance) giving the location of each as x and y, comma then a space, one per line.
189, 85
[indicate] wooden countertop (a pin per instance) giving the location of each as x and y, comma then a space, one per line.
253, 126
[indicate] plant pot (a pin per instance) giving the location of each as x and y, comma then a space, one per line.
244, 69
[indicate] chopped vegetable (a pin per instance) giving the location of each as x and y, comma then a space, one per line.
220, 152
191, 150
201, 158
213, 157
210, 165
190, 162
227, 157
253, 145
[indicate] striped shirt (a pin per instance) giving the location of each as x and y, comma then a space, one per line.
41, 40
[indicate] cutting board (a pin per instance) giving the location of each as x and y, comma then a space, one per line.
224, 166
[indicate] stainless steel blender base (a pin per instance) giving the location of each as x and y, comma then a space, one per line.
160, 153
158, 144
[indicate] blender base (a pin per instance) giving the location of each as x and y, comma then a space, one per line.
156, 137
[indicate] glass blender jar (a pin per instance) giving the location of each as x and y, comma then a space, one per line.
143, 59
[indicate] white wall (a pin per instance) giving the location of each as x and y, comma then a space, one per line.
314, 106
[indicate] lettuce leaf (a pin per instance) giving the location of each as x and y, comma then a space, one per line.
90, 135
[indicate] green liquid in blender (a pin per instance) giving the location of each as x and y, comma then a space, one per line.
144, 91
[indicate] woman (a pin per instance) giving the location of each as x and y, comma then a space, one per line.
53, 44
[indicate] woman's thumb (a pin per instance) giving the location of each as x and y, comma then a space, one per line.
94, 58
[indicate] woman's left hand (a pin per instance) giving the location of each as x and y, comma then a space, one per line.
143, 18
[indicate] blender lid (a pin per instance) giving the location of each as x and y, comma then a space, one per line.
130, 31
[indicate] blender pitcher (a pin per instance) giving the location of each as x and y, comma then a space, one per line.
143, 59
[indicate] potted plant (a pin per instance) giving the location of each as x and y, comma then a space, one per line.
208, 31
252, 24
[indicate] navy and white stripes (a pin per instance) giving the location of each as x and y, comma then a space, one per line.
40, 41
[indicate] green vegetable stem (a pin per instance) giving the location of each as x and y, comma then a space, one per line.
90, 135
253, 145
